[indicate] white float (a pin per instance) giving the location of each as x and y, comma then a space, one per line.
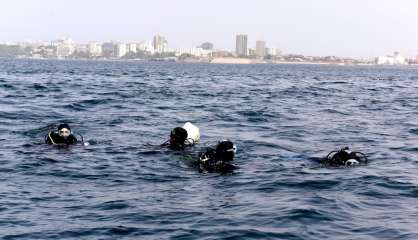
193, 133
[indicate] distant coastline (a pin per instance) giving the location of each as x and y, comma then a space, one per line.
220, 61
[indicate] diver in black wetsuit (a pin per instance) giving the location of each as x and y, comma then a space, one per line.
344, 157
62, 137
218, 159
177, 139
181, 137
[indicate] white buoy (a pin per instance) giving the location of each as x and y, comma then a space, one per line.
193, 133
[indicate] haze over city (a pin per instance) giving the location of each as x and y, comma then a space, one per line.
325, 27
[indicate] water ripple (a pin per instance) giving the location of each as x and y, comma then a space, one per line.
282, 118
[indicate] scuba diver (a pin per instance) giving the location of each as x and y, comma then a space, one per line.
62, 137
218, 159
181, 137
344, 157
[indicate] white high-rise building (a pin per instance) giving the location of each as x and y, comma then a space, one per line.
94, 49
273, 51
145, 46
121, 50
399, 60
131, 47
160, 44
64, 47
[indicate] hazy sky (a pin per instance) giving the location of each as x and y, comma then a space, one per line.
357, 28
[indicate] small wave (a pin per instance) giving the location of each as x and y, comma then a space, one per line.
279, 116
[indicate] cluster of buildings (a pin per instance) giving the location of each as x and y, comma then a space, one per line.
158, 48
261, 50
395, 59
67, 48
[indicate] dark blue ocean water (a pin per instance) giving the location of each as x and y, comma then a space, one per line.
124, 187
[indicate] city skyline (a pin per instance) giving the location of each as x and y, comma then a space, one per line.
324, 27
158, 50
159, 44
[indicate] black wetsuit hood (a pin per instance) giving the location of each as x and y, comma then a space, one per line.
344, 157
55, 139
218, 159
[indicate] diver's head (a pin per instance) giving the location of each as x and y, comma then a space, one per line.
178, 136
352, 162
225, 151
64, 130
346, 157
